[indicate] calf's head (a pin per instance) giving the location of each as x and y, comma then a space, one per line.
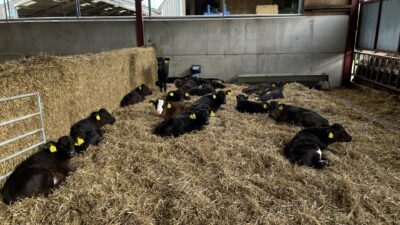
337, 133
64, 148
220, 96
158, 105
275, 109
143, 90
103, 117
241, 97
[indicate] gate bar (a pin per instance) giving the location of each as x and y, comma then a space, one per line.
20, 137
20, 152
19, 119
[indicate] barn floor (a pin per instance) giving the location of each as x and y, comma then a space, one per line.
232, 172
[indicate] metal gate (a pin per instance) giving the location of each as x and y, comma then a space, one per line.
38, 114
378, 31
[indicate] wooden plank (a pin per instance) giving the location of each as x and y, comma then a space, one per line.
267, 9
309, 3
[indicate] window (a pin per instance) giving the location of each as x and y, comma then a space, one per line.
38, 8
174, 8
17, 9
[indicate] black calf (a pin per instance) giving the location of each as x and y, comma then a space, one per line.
182, 123
162, 72
296, 115
41, 172
135, 96
177, 95
262, 88
307, 146
201, 91
271, 94
214, 101
88, 131
243, 105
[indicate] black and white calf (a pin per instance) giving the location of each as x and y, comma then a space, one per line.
245, 106
307, 146
41, 172
88, 131
296, 115
167, 109
162, 72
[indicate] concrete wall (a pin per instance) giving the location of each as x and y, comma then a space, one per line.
226, 48
64, 38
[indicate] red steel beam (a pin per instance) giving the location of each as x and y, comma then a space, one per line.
351, 37
139, 23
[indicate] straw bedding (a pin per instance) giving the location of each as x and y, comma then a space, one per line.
232, 172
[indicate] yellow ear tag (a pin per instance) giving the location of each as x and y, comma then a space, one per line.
212, 114
169, 106
98, 117
280, 108
187, 94
229, 93
331, 136
274, 85
193, 116
171, 94
166, 61
265, 106
214, 97
79, 141
53, 148
151, 104
286, 84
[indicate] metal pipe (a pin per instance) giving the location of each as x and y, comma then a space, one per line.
19, 137
78, 8
139, 23
17, 97
301, 7
6, 175
149, 3
20, 152
8, 6
378, 24
5, 9
351, 36
39, 108
19, 119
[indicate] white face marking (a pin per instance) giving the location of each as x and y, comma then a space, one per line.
320, 153
55, 181
160, 106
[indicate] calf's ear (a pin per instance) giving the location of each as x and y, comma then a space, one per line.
152, 102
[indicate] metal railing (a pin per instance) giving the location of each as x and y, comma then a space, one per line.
378, 70
41, 130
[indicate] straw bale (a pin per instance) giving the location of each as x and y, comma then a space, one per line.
71, 87
232, 172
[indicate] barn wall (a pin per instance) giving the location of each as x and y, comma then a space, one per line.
64, 38
226, 48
